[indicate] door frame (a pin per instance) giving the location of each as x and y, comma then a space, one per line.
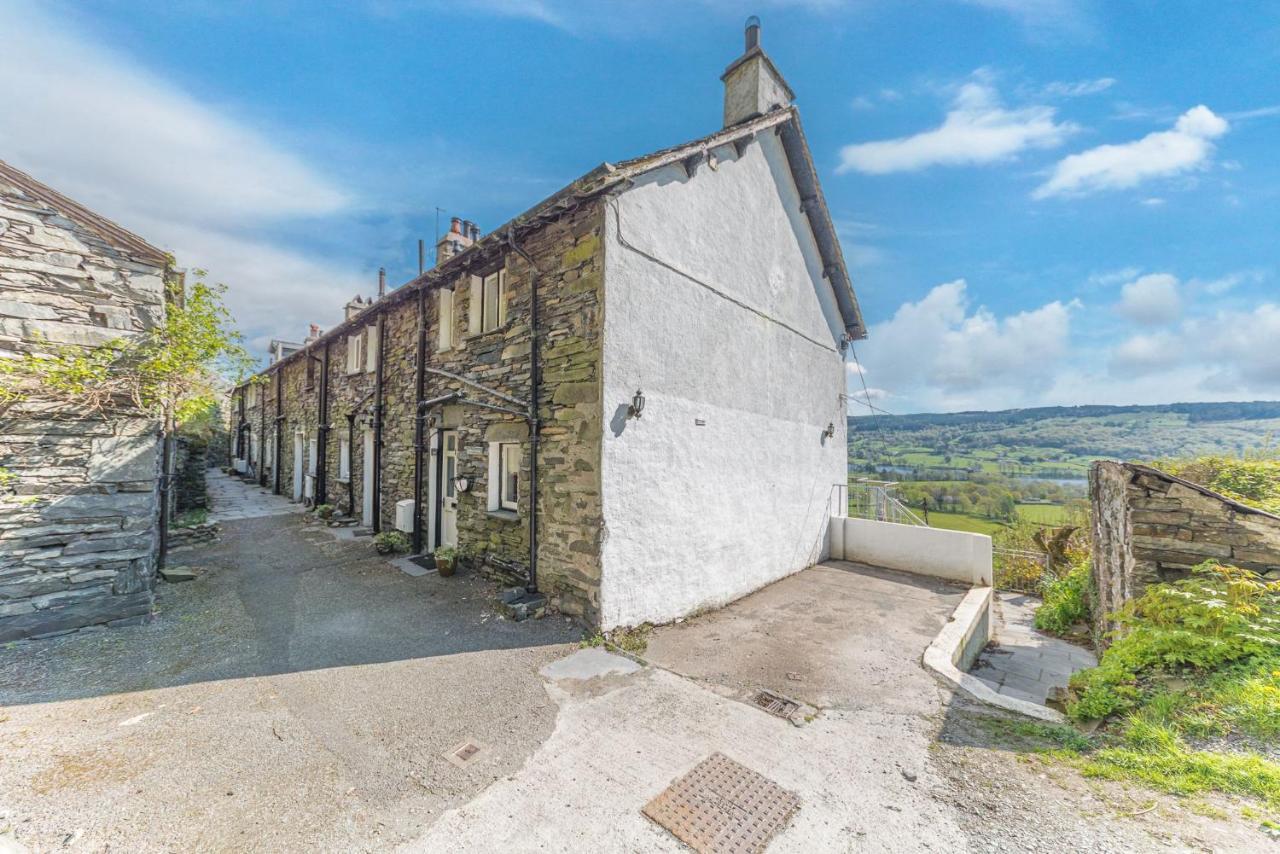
299, 453
367, 510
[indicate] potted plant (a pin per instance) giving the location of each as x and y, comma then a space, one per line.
446, 560
390, 542
324, 511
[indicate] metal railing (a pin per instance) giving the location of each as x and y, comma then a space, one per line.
874, 500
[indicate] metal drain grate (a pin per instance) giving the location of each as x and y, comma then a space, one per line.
723, 807
466, 753
775, 705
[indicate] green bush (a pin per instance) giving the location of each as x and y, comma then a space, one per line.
1217, 616
389, 542
1066, 600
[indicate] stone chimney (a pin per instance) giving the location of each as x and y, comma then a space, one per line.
752, 84
355, 306
458, 238
314, 333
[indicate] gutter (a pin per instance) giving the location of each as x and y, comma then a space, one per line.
322, 431
420, 382
275, 458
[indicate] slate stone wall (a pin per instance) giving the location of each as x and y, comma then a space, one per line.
569, 255
78, 525
1149, 526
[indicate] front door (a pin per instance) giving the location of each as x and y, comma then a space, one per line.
449, 490
298, 451
366, 494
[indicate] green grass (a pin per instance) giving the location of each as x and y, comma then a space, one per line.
1044, 514
963, 522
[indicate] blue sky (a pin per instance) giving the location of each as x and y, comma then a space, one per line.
1042, 201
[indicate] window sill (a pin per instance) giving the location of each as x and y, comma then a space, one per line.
343, 480
505, 515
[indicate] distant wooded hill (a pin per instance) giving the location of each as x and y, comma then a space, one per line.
1059, 441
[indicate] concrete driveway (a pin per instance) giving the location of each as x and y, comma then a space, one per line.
300, 694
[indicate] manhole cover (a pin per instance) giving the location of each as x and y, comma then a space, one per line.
723, 807
466, 753
775, 705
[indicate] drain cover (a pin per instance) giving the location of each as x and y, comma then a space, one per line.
775, 704
466, 753
723, 807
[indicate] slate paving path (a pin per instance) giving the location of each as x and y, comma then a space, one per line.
1025, 663
231, 498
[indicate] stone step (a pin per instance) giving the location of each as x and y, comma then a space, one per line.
518, 604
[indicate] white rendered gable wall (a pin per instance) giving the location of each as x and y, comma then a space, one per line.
725, 482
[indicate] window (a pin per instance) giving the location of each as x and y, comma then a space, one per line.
311, 371
344, 459
509, 475
370, 348
488, 302
355, 353
444, 299
252, 393
504, 476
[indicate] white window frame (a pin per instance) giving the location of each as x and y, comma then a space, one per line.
371, 348
344, 459
444, 305
488, 310
504, 457
355, 353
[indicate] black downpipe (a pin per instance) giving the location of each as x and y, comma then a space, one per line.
275, 458
322, 432
418, 432
377, 424
262, 437
535, 384
351, 481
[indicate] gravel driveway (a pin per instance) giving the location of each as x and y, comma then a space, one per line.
300, 694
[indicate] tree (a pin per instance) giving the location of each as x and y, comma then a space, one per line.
171, 372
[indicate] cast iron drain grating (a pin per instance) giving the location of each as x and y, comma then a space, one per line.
466, 753
723, 807
776, 705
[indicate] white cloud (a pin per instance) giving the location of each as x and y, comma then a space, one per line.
188, 177
1079, 88
1108, 278
938, 352
1151, 300
977, 129
1186, 147
1140, 355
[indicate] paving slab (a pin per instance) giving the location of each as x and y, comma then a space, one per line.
1024, 662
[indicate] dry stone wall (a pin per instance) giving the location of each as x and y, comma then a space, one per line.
78, 525
568, 254
1149, 526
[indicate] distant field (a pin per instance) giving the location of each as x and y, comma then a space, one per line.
963, 522
1044, 514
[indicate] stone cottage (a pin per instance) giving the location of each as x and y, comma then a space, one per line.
631, 395
78, 517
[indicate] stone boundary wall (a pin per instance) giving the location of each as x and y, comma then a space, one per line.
1149, 526
78, 525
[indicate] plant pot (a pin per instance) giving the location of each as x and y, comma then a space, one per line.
445, 567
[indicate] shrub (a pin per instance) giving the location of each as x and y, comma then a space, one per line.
324, 511
1217, 616
1066, 600
389, 542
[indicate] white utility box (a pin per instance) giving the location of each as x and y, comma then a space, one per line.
404, 515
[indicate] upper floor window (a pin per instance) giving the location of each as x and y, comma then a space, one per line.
488, 309
355, 353
311, 371
444, 304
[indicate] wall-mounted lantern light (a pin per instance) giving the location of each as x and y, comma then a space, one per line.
830, 432
461, 483
637, 405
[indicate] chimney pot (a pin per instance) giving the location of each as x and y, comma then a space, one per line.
315, 330
382, 282
455, 225
753, 32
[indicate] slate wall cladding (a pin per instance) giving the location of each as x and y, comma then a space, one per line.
1149, 526
568, 252
78, 534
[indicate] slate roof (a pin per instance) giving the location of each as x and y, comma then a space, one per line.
607, 176
109, 231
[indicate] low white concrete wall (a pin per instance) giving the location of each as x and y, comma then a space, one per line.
954, 555
961, 640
